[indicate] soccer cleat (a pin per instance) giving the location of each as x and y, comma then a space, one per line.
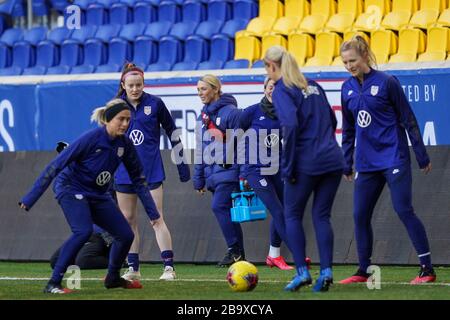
131, 274
324, 281
168, 274
121, 283
359, 276
278, 262
230, 258
56, 289
425, 276
303, 278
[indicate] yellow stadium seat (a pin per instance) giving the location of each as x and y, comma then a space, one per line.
271, 8
348, 35
327, 47
444, 18
347, 12
301, 46
383, 43
247, 47
374, 11
295, 10
272, 40
428, 13
337, 62
321, 10
401, 13
410, 43
437, 45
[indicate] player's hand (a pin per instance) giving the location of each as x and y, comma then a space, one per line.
348, 177
201, 191
427, 169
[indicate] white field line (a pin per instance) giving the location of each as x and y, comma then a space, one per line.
214, 280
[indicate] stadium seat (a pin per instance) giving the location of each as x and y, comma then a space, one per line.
40, 8
438, 44
269, 12
108, 68
247, 47
96, 48
36, 70
295, 11
60, 5
58, 70
119, 13
383, 43
120, 48
145, 51
207, 29
346, 14
237, 64
374, 11
169, 11
321, 10
301, 46
411, 42
82, 69
219, 10
444, 18
170, 52
258, 64
210, 65
11, 71
158, 29
222, 49
231, 27
193, 13
182, 66
25, 50
196, 49
7, 40
244, 9
83, 4
48, 50
327, 48
72, 49
144, 12
96, 14
270, 40
401, 13
428, 13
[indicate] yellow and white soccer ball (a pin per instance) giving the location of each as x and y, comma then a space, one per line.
242, 276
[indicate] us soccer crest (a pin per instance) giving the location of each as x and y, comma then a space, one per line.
120, 151
218, 121
147, 110
374, 90
263, 182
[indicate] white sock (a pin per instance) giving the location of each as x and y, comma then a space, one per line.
274, 252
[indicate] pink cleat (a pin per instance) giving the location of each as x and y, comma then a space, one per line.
278, 262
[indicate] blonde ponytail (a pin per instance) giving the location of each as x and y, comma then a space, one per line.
290, 72
98, 115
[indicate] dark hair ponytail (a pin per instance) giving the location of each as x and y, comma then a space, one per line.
127, 67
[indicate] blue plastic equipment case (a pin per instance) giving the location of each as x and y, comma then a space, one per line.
247, 206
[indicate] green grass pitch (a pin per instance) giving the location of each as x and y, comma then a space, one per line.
20, 280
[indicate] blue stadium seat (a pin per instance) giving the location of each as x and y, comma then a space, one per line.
237, 64
25, 50
158, 29
58, 70
222, 48
232, 26
210, 65
7, 7
83, 4
96, 14
82, 69
144, 12
170, 52
11, 71
219, 10
36, 70
3, 24
40, 8
145, 51
19, 9
96, 48
169, 11
193, 10
7, 40
130, 3
48, 51
245, 9
195, 49
59, 5
107, 68
72, 49
181, 30
119, 13
180, 66
258, 64
120, 48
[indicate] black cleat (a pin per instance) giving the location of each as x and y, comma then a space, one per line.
121, 283
230, 258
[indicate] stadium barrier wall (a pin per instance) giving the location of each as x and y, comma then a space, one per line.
35, 114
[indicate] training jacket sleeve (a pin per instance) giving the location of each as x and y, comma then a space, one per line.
168, 124
287, 113
348, 137
199, 167
71, 153
134, 167
408, 120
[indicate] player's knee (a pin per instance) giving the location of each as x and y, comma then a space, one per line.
84, 234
